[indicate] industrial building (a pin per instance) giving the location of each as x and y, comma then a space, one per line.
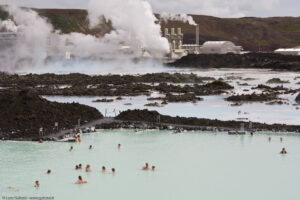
289, 51
220, 47
177, 48
7, 39
174, 37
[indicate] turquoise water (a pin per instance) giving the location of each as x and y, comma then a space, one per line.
192, 165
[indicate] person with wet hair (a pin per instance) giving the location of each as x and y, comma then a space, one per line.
146, 167
48, 171
79, 138
37, 184
80, 180
103, 169
71, 148
113, 170
283, 151
153, 168
88, 168
80, 166
91, 147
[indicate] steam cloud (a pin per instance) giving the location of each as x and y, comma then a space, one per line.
134, 22
135, 29
178, 17
219, 8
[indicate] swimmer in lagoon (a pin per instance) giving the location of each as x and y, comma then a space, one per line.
91, 147
103, 169
37, 184
80, 166
80, 180
79, 138
113, 170
13, 189
49, 171
76, 167
119, 146
270, 139
153, 168
283, 151
71, 148
281, 139
146, 167
41, 141
88, 168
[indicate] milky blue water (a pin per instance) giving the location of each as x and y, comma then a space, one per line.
192, 165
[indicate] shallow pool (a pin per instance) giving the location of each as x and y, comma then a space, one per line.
192, 165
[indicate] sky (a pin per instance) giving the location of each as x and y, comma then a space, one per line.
218, 8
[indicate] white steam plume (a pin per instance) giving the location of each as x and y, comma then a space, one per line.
8, 26
36, 39
134, 22
30, 41
178, 17
218, 8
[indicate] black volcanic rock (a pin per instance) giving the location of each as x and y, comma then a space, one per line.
154, 117
23, 113
252, 97
252, 60
298, 97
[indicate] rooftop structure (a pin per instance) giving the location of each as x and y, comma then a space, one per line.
220, 47
174, 37
289, 51
7, 39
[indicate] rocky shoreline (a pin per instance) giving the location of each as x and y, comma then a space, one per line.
26, 115
272, 61
144, 120
115, 85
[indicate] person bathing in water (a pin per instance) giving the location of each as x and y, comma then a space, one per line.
113, 170
153, 168
80, 180
49, 171
71, 148
103, 169
91, 147
80, 166
146, 167
79, 138
88, 168
37, 184
283, 151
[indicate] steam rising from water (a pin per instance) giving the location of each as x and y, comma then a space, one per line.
178, 17
135, 32
134, 22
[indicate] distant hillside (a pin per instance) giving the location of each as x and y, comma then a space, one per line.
253, 34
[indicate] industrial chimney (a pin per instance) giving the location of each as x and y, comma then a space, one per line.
197, 34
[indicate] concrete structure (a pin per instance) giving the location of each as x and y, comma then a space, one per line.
289, 51
197, 34
220, 47
191, 48
174, 37
7, 39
